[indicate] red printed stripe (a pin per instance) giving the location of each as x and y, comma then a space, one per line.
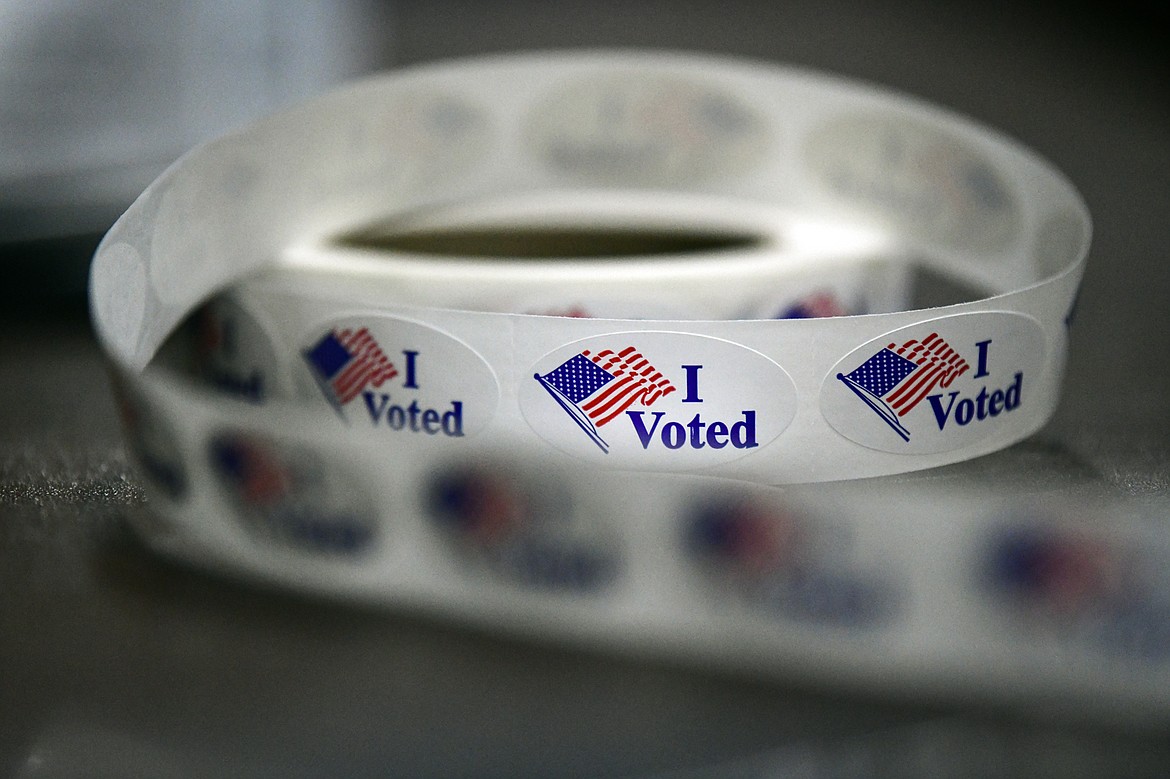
369, 365
941, 366
636, 380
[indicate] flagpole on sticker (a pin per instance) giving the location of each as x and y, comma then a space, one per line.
324, 386
878, 405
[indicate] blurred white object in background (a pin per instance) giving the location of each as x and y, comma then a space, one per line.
97, 96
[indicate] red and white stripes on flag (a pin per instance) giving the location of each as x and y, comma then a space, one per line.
368, 365
938, 366
635, 381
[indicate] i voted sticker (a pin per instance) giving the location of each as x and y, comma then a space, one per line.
645, 128
234, 353
657, 400
288, 496
397, 376
936, 386
927, 180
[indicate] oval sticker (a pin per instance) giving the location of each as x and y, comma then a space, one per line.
657, 400
398, 376
287, 496
936, 386
645, 128
233, 352
928, 181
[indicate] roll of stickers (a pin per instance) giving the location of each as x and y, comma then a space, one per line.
533, 341
678, 219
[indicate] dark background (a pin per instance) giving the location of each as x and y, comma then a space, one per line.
114, 662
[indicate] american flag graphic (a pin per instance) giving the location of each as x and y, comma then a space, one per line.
897, 378
255, 474
595, 389
346, 362
821, 304
485, 507
749, 538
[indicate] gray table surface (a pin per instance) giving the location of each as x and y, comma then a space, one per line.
114, 662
